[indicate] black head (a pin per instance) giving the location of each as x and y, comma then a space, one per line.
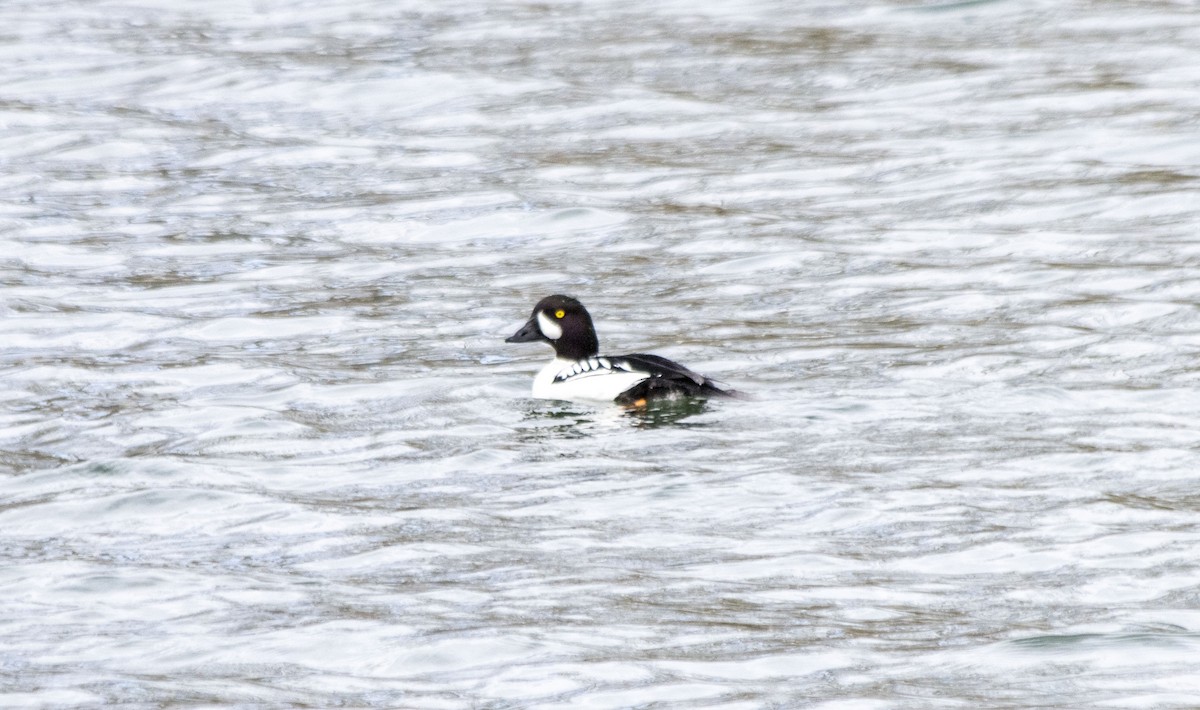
564, 323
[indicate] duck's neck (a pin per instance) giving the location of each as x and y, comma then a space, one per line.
577, 346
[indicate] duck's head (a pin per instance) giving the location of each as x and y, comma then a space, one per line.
563, 322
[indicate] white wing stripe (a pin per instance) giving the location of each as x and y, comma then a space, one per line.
597, 366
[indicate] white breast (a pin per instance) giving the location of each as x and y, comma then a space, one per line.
600, 383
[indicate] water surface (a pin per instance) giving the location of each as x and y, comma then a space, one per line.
262, 443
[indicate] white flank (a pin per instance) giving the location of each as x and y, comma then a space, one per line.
594, 384
549, 328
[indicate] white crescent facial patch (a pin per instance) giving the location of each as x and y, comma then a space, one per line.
549, 328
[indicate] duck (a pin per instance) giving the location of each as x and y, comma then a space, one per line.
578, 373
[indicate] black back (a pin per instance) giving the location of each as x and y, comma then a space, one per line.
667, 379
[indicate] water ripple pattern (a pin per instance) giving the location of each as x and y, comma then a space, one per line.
263, 445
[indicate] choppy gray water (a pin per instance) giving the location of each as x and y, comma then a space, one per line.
262, 443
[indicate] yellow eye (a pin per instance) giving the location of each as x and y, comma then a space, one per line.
560, 313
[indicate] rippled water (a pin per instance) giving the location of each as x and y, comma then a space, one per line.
263, 444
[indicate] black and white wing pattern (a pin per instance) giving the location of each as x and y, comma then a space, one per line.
594, 365
666, 378
645, 377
